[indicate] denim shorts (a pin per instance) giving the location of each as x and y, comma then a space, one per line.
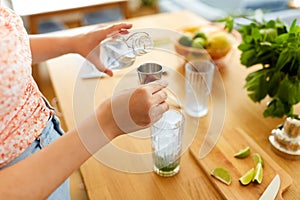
50, 133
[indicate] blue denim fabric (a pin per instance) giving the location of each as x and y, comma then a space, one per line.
49, 134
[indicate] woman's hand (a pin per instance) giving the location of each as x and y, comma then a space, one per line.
85, 43
147, 103
133, 109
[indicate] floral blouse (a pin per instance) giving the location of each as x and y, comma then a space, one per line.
23, 113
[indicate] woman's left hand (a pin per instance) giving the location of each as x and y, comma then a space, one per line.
85, 43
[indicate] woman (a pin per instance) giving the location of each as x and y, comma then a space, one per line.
28, 124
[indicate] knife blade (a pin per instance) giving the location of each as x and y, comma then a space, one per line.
272, 189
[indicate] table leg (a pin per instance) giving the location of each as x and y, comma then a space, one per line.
124, 7
33, 25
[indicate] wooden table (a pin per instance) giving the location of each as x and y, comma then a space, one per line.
37, 10
104, 182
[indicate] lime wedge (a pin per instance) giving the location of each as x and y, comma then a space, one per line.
247, 177
257, 159
258, 176
221, 174
243, 153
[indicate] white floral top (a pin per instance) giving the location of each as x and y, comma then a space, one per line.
23, 113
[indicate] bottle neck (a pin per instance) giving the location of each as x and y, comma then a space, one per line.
140, 42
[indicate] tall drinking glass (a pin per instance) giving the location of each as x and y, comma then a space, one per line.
198, 84
166, 138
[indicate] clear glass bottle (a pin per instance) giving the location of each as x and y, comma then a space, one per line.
120, 51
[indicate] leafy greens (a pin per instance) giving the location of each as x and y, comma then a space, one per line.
276, 48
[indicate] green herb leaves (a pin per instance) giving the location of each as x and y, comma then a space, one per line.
256, 85
229, 23
277, 50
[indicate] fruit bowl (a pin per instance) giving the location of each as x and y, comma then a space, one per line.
215, 42
190, 53
193, 53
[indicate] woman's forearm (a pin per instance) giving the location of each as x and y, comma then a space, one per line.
44, 47
40, 174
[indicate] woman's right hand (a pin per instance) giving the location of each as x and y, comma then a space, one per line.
134, 109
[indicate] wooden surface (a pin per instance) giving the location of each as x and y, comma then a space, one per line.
235, 109
222, 155
37, 10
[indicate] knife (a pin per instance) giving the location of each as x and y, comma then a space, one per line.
272, 189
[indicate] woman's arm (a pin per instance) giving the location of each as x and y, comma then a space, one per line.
40, 174
48, 46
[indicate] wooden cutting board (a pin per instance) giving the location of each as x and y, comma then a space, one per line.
222, 155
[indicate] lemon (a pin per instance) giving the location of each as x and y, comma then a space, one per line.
243, 153
257, 159
185, 40
221, 174
258, 176
247, 177
220, 40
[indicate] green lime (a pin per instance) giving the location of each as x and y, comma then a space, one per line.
258, 176
243, 153
200, 34
247, 177
199, 43
221, 174
185, 40
257, 159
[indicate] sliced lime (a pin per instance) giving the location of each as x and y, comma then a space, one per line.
257, 159
221, 174
243, 153
258, 176
247, 177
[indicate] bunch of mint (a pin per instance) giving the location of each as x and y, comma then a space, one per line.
276, 48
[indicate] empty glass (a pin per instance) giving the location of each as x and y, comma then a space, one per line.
199, 78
